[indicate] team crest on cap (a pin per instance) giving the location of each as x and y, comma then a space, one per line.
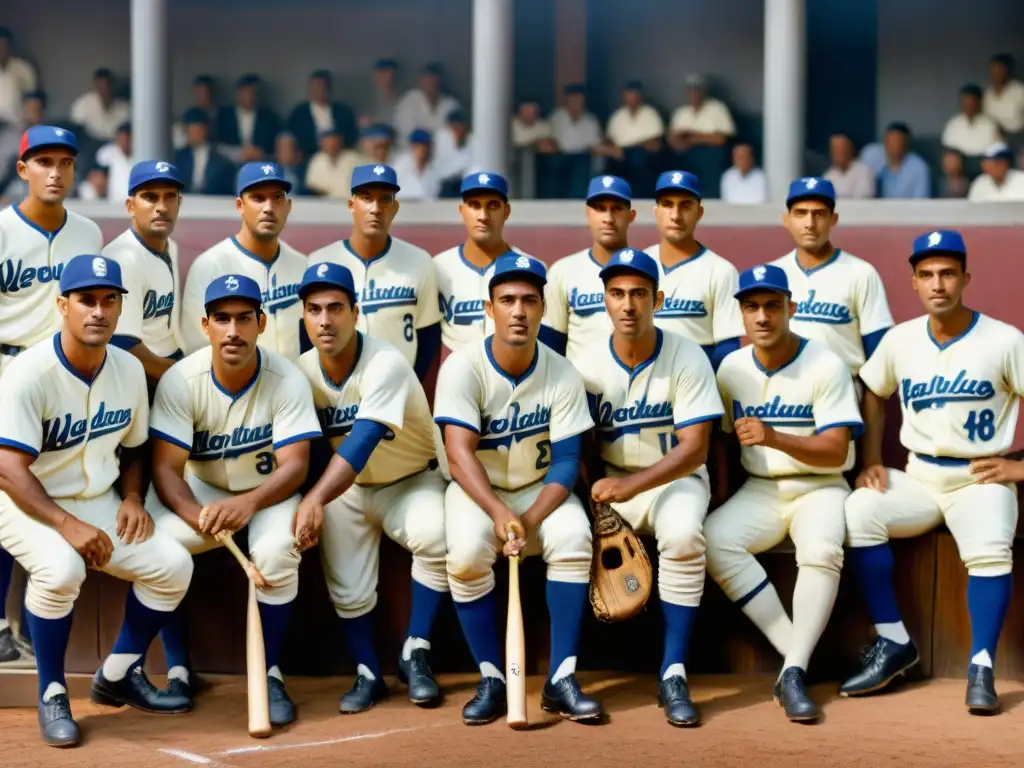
58, 132
378, 169
934, 239
231, 283
99, 266
483, 178
810, 183
267, 170
759, 273
523, 262
321, 270
626, 257
677, 177
162, 167
607, 181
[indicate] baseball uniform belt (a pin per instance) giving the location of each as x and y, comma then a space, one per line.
943, 461
432, 464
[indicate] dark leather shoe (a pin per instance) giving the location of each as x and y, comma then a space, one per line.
9, 653
881, 663
282, 708
363, 695
981, 691
488, 704
136, 691
791, 695
416, 673
566, 699
674, 698
56, 724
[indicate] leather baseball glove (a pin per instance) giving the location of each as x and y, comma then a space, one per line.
621, 576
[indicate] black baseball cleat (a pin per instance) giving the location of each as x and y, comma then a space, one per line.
190, 688
488, 704
791, 694
282, 708
416, 673
363, 695
674, 698
9, 653
137, 692
56, 725
881, 663
981, 691
566, 699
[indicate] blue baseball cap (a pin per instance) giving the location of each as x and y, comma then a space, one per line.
250, 78
811, 188
251, 174
630, 260
378, 173
678, 181
485, 182
89, 271
764, 277
195, 116
378, 131
233, 287
609, 186
330, 275
40, 136
420, 136
941, 242
154, 170
518, 266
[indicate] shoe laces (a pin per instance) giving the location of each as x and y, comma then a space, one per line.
419, 665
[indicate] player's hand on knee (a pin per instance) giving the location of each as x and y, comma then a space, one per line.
230, 514
133, 522
752, 431
874, 477
611, 489
308, 522
510, 530
90, 542
997, 471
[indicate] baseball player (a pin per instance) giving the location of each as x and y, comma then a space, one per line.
463, 271
73, 416
574, 314
698, 283
257, 252
148, 326
792, 405
959, 375
383, 477
231, 425
840, 299
513, 412
654, 400
37, 238
395, 280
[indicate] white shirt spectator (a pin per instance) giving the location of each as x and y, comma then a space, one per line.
1006, 108
524, 135
16, 78
101, 123
323, 117
970, 137
200, 157
332, 177
452, 161
626, 129
414, 110
985, 190
416, 184
246, 124
575, 136
118, 167
751, 189
712, 117
856, 182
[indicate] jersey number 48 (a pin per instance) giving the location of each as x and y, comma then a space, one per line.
981, 425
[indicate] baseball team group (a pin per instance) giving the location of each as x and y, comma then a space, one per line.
279, 396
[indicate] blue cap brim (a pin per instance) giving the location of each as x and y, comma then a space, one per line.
613, 195
387, 184
830, 202
50, 145
308, 288
159, 177
483, 190
287, 185
512, 276
614, 270
763, 289
92, 285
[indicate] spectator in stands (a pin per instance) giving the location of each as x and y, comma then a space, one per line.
319, 114
744, 183
577, 134
900, 172
850, 177
529, 129
116, 157
33, 109
534, 147
1003, 100
329, 173
424, 106
634, 140
376, 142
382, 104
246, 131
1000, 182
96, 184
100, 111
970, 132
202, 98
416, 173
954, 182
453, 150
704, 121
287, 155
205, 170
10, 148
17, 77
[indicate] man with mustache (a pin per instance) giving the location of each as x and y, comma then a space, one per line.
232, 425
257, 252
37, 238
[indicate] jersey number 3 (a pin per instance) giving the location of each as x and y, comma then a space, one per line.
981, 425
265, 462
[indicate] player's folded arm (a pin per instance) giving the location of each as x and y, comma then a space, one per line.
348, 460
828, 448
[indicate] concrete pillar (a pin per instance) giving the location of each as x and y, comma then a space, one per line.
150, 81
492, 84
785, 49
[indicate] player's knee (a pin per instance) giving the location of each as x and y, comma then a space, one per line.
178, 571
468, 560
995, 562
276, 558
425, 537
863, 522
682, 543
820, 553
351, 604
53, 589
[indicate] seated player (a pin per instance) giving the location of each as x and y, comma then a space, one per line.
792, 405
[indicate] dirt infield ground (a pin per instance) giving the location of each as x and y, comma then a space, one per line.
921, 724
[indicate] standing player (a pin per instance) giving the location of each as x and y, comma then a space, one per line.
792, 405
960, 375
395, 281
37, 238
383, 477
231, 425
653, 454
574, 314
840, 300
257, 252
698, 283
73, 416
148, 326
513, 413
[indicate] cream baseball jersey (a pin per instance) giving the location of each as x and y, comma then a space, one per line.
397, 291
278, 279
382, 387
231, 439
699, 301
150, 310
72, 425
31, 263
574, 302
838, 303
637, 411
959, 399
517, 419
810, 394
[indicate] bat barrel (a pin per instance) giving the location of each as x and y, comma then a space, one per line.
515, 651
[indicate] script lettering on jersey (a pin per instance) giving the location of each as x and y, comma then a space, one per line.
376, 297
460, 312
676, 307
16, 277
514, 426
613, 423
231, 445
156, 305
938, 390
776, 413
822, 311
337, 420
279, 297
66, 431
584, 304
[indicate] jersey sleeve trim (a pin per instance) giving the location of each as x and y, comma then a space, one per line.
19, 446
297, 438
168, 439
856, 427
699, 420
444, 421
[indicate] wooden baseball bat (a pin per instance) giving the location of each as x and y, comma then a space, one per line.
515, 651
